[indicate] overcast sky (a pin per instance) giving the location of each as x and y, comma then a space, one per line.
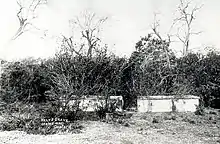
128, 21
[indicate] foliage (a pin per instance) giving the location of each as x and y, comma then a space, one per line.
154, 70
107, 107
152, 67
11, 124
23, 81
208, 80
53, 88
200, 110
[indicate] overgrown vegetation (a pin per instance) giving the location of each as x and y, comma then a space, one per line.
46, 87
32, 90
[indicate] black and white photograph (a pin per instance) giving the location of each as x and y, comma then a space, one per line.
110, 72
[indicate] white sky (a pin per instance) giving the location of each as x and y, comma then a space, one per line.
128, 20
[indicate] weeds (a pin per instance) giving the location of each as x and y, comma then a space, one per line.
200, 110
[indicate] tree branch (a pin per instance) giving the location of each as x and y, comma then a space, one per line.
24, 21
69, 42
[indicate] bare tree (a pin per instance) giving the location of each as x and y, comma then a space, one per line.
26, 14
187, 15
90, 26
155, 26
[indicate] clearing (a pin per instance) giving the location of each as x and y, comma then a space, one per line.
140, 128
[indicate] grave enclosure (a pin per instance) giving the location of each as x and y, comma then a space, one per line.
90, 103
186, 103
160, 103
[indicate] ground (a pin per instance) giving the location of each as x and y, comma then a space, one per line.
140, 128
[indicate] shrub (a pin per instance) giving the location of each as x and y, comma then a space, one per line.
200, 110
170, 117
34, 125
101, 111
189, 120
107, 107
23, 81
11, 124
157, 119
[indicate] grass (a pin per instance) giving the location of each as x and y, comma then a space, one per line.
204, 128
138, 128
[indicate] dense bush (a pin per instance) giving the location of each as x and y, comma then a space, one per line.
152, 69
11, 124
23, 81
32, 90
48, 86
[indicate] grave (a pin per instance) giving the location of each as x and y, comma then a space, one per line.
90, 103
186, 103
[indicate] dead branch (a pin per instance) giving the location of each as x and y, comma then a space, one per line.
24, 21
90, 28
187, 16
155, 30
69, 43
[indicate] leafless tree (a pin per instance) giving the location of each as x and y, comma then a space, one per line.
90, 26
155, 26
26, 14
187, 15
